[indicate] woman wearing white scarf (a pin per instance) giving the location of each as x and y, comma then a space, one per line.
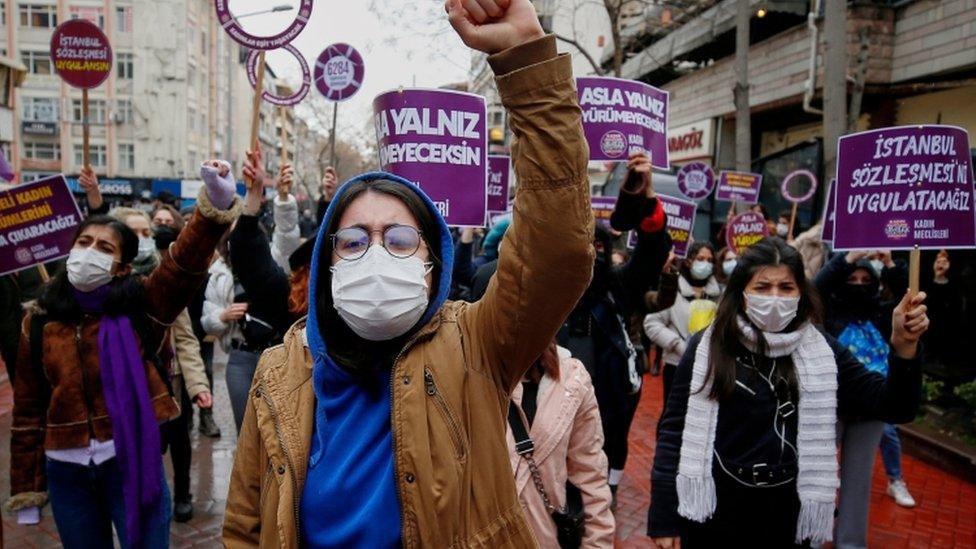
746, 449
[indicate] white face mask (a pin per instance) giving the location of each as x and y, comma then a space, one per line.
147, 247
728, 266
89, 269
782, 229
771, 313
379, 296
700, 270
877, 265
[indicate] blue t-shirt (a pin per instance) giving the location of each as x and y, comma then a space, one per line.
867, 344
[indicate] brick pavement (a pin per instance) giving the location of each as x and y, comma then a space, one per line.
945, 516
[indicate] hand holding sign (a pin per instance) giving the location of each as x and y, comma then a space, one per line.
254, 171
492, 26
908, 322
640, 165
89, 182
286, 176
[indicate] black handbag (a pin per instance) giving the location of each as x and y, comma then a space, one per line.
571, 520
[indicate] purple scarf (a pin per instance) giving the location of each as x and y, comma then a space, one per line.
134, 427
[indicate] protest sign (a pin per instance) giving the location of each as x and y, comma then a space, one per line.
681, 222
499, 168
904, 187
37, 223
621, 117
602, 208
284, 101
237, 33
696, 180
791, 183
745, 230
438, 139
81, 53
339, 72
827, 234
738, 187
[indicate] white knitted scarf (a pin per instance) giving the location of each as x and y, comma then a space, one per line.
817, 479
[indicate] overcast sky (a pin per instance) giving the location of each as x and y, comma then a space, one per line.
403, 43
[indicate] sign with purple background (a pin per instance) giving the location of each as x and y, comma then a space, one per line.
499, 168
339, 72
37, 223
829, 217
738, 187
681, 221
438, 139
293, 99
234, 29
696, 180
81, 53
624, 116
902, 187
745, 230
602, 208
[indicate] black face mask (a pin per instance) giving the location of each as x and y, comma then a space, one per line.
860, 299
165, 235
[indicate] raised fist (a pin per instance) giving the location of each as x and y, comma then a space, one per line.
492, 26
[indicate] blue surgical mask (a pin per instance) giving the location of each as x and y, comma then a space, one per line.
728, 266
877, 265
700, 270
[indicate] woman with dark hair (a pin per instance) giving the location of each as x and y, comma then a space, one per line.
697, 288
726, 262
91, 393
380, 421
555, 438
747, 449
167, 216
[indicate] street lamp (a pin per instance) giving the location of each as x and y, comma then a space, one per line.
276, 9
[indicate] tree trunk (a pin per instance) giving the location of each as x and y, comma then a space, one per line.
835, 81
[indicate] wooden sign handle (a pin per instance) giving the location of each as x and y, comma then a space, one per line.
792, 220
914, 266
256, 111
42, 270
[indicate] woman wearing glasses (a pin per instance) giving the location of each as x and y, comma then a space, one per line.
380, 421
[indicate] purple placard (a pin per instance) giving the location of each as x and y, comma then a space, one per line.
293, 99
437, 138
745, 230
738, 187
902, 187
499, 168
785, 187
37, 223
827, 223
237, 33
602, 208
681, 222
624, 116
696, 180
339, 72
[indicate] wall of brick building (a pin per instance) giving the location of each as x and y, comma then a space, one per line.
934, 36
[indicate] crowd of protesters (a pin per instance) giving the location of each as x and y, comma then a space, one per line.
394, 381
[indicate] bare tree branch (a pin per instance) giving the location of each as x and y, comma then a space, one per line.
589, 58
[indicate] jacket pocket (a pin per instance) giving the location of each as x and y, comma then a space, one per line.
453, 426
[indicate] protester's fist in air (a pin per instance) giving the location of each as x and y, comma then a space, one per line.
254, 168
220, 183
492, 26
908, 322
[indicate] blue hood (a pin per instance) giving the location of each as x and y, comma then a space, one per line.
321, 266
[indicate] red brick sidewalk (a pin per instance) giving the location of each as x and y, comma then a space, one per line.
945, 515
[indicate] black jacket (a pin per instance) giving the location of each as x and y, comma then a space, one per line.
839, 311
265, 283
744, 417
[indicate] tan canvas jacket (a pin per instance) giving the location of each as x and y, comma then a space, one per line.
451, 384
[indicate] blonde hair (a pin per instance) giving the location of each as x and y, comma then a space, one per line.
122, 213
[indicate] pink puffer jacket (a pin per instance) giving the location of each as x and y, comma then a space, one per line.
568, 439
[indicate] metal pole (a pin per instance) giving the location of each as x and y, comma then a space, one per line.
335, 117
835, 81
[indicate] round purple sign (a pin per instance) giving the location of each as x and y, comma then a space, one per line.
696, 180
284, 101
339, 72
785, 188
237, 33
81, 53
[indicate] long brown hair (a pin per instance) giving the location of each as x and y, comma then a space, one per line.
298, 297
548, 364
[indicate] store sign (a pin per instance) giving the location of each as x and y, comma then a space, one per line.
692, 141
34, 127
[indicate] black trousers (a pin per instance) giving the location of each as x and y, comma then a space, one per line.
180, 451
616, 429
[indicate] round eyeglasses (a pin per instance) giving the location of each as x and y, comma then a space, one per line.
401, 241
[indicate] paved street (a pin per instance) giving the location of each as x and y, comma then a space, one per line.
945, 516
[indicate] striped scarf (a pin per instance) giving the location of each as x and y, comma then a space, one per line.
817, 479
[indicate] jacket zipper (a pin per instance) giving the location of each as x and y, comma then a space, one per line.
393, 438
84, 383
445, 411
284, 448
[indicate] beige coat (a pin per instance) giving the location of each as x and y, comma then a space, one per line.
187, 362
568, 439
452, 381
